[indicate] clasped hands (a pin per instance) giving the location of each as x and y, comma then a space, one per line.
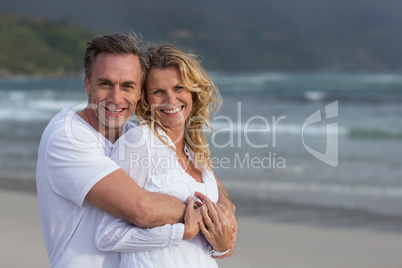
215, 221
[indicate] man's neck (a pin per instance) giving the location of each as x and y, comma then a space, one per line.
112, 134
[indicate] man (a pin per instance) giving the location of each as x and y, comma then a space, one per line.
74, 173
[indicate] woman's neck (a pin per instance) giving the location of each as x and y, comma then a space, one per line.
188, 166
177, 137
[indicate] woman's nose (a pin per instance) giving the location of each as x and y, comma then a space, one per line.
170, 98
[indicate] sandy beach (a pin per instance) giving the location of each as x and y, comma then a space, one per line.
261, 243
22, 244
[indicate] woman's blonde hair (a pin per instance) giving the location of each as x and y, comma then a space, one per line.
205, 96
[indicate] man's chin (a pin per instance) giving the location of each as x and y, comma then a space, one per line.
115, 124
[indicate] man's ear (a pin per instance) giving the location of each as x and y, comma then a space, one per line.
139, 94
87, 85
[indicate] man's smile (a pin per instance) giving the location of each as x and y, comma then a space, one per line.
115, 111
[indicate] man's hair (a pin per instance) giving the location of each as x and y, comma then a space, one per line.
117, 43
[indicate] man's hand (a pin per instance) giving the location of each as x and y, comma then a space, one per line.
191, 219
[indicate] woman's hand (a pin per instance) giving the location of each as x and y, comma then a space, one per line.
229, 212
215, 227
191, 219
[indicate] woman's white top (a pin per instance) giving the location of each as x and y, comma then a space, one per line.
155, 168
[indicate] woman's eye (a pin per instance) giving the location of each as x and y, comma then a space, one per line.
178, 88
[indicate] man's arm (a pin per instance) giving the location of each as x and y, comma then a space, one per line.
116, 234
120, 195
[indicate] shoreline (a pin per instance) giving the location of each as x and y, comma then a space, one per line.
18, 184
261, 242
279, 212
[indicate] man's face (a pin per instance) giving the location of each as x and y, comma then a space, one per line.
113, 89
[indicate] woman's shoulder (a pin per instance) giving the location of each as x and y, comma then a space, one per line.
139, 130
143, 129
139, 133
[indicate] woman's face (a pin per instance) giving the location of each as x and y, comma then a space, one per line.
171, 103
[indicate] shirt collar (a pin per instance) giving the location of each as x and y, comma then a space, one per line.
187, 149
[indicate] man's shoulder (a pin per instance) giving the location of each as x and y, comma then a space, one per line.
67, 126
64, 118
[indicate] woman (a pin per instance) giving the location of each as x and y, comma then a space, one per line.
168, 153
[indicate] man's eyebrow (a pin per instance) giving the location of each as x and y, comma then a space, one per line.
129, 83
101, 79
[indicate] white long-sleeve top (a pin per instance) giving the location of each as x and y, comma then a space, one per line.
155, 168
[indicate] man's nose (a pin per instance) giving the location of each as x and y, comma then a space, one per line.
115, 95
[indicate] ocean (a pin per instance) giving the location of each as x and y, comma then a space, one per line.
323, 141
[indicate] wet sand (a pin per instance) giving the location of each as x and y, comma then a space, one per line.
261, 243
